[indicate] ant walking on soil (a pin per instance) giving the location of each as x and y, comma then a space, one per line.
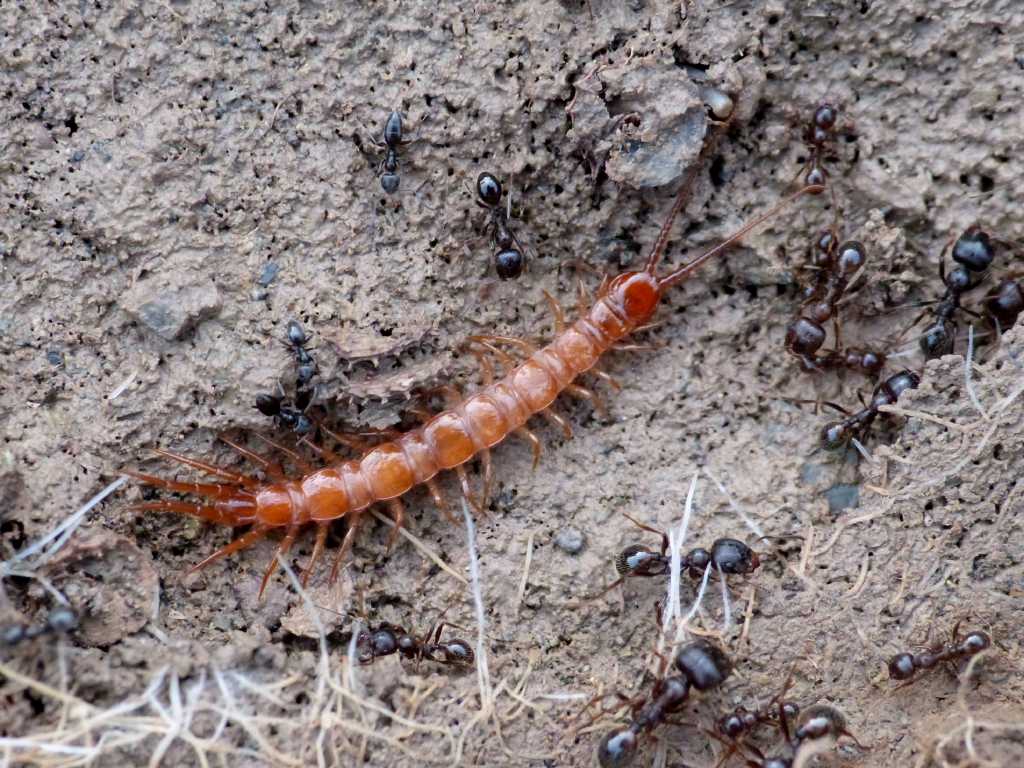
973, 254
292, 414
388, 168
837, 434
700, 664
60, 621
905, 666
509, 259
388, 639
836, 266
732, 727
728, 556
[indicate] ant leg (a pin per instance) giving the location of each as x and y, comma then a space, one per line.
656, 531
590, 396
243, 480
398, 516
439, 502
243, 541
318, 548
534, 441
282, 549
271, 468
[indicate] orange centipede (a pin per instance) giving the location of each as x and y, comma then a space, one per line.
469, 427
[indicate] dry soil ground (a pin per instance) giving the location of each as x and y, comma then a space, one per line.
161, 162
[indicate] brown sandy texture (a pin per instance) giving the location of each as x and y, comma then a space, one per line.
161, 161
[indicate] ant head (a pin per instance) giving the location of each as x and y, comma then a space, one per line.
973, 250
488, 189
636, 294
617, 748
389, 182
834, 436
268, 405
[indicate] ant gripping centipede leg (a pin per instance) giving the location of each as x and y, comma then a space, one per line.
469, 428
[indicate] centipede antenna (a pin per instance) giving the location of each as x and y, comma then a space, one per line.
682, 198
684, 271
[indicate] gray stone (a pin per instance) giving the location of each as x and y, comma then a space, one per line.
570, 540
170, 312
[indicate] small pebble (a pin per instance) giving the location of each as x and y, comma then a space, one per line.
570, 540
54, 357
269, 273
12, 635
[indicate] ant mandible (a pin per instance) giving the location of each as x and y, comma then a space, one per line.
509, 258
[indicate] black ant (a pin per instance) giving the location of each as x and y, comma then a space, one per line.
1003, 307
733, 726
819, 134
973, 253
835, 265
296, 341
388, 639
291, 417
60, 621
388, 168
509, 259
730, 556
905, 666
837, 434
701, 665
817, 722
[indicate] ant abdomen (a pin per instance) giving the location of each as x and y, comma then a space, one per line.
638, 560
973, 249
1005, 305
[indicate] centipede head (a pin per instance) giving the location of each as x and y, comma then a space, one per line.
635, 294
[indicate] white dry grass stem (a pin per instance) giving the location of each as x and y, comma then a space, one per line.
526, 574
427, 551
747, 520
968, 380
672, 611
482, 671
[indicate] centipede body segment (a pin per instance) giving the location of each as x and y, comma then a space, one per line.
468, 429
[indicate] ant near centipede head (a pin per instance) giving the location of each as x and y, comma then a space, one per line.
510, 258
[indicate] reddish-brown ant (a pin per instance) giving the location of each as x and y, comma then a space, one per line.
388, 639
700, 664
819, 135
732, 727
905, 666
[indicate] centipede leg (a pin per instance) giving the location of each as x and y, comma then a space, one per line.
318, 548
490, 341
435, 492
355, 523
234, 477
485, 458
271, 468
558, 421
557, 311
606, 378
460, 471
282, 550
243, 541
209, 514
592, 397
398, 516
534, 441
209, 490
304, 466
